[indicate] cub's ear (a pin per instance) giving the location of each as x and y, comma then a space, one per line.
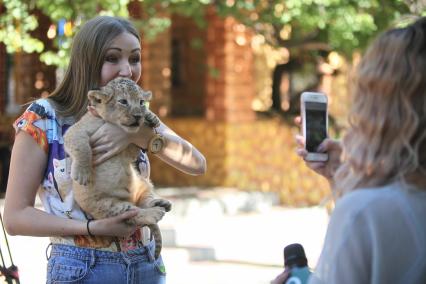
99, 96
146, 95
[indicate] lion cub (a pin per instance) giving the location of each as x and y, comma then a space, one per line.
115, 186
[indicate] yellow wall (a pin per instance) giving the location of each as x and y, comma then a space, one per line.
257, 156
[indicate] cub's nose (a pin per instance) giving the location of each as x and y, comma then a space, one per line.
137, 117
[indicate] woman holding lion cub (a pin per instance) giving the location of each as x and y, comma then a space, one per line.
107, 250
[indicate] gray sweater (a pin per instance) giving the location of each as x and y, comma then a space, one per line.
376, 235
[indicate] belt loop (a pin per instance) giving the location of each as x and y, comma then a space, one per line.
146, 235
92, 258
47, 248
149, 253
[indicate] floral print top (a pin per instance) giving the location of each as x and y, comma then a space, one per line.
55, 192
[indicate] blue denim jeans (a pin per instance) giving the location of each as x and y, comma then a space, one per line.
70, 264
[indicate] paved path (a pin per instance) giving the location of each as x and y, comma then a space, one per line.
207, 243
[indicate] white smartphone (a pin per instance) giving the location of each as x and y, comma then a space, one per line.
314, 112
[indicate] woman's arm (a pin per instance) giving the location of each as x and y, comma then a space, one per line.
179, 153
28, 162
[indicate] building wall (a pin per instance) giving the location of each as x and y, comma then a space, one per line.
34, 78
188, 68
230, 77
3, 77
242, 150
156, 72
31, 78
254, 156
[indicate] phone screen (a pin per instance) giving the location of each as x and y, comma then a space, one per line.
316, 125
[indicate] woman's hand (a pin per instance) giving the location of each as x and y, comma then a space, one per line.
331, 146
282, 277
334, 150
107, 141
114, 226
110, 140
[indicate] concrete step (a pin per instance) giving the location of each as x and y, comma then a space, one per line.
217, 201
182, 270
220, 226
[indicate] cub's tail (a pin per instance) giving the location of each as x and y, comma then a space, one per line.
156, 233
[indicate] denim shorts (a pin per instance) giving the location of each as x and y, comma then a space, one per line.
71, 264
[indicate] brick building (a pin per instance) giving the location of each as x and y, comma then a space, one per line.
204, 92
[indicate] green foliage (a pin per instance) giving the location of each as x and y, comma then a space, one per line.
14, 27
19, 21
341, 25
192, 9
153, 26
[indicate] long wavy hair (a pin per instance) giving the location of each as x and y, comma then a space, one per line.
386, 139
87, 57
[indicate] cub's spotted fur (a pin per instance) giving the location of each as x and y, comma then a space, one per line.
114, 186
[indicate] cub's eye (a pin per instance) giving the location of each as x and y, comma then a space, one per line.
123, 101
142, 102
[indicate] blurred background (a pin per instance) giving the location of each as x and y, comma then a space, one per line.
226, 75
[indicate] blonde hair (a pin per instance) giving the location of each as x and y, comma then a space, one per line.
386, 140
86, 60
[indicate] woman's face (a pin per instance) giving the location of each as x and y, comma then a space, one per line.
122, 59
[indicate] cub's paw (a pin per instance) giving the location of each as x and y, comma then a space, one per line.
150, 216
80, 174
167, 205
151, 119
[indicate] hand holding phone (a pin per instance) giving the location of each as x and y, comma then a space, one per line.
314, 113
